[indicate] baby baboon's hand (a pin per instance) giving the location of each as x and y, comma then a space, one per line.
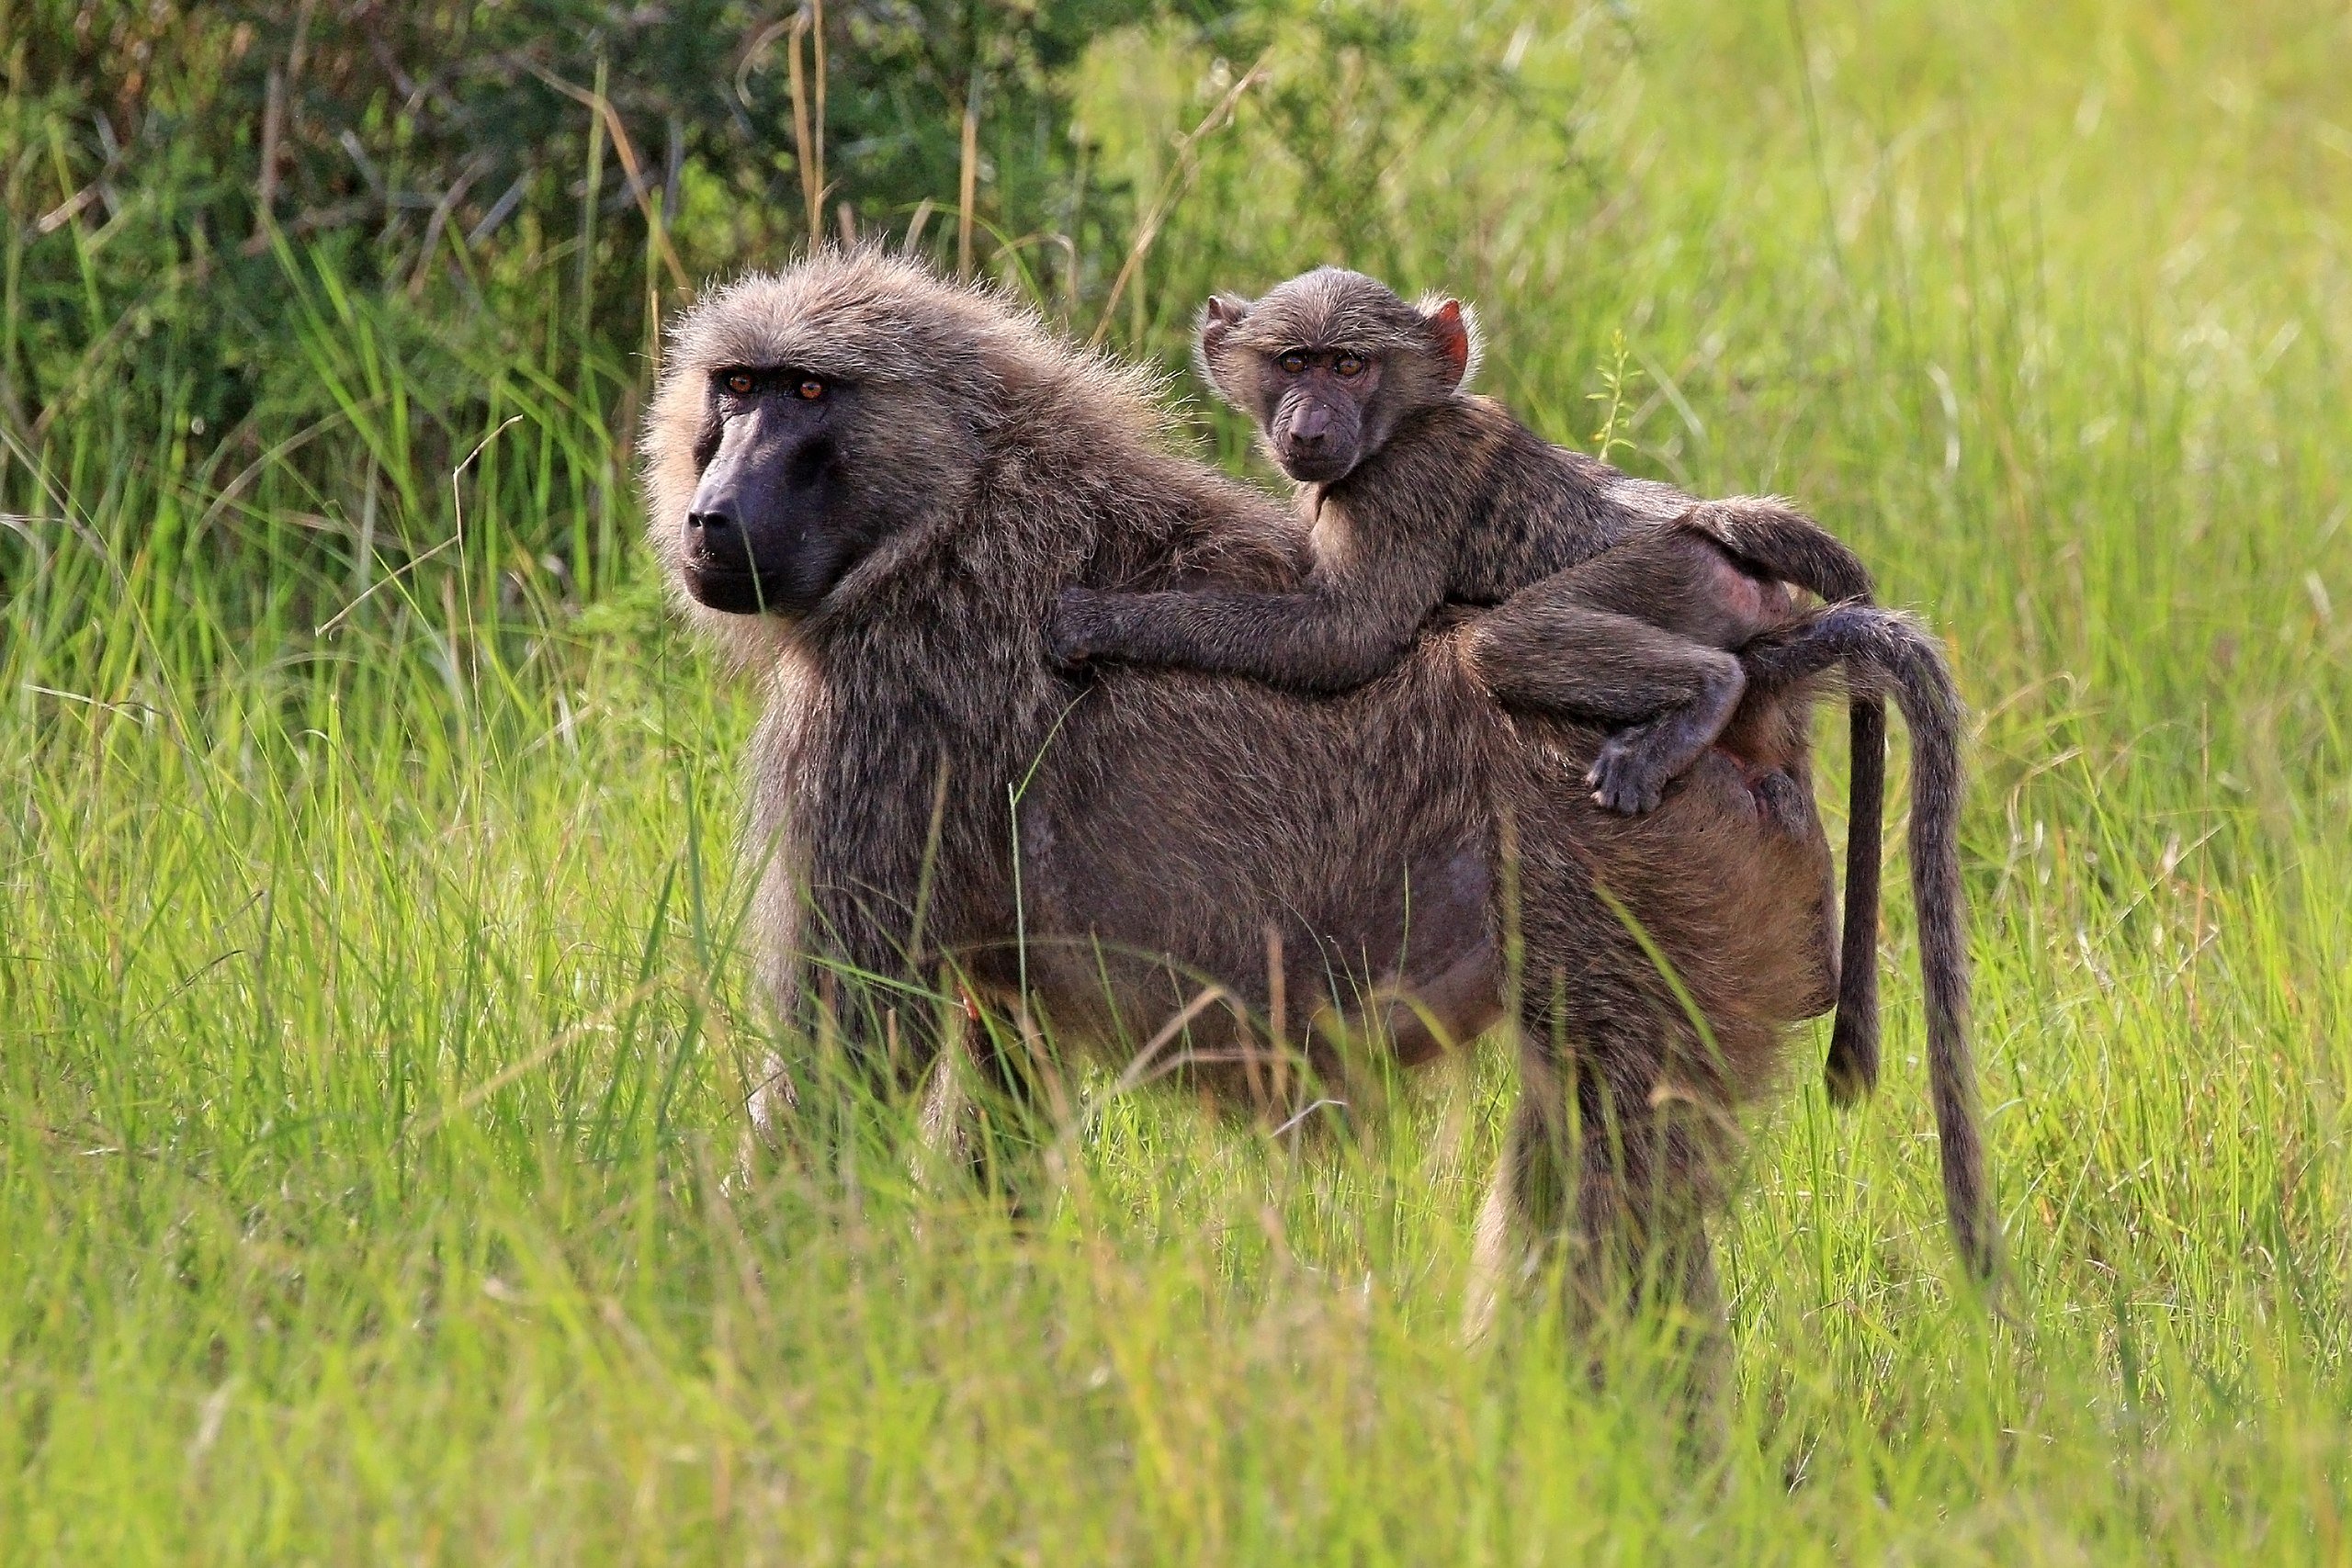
1075, 630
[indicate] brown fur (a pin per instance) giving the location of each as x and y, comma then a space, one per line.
1167, 823
1417, 493
1621, 601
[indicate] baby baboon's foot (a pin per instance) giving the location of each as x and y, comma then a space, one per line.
1628, 777
1782, 802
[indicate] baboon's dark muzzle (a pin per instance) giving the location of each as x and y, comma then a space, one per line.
755, 536
1313, 441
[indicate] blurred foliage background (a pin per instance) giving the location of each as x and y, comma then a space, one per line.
308, 251
373, 1025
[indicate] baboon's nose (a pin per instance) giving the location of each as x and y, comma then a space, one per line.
712, 535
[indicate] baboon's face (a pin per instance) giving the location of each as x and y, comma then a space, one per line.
1309, 392
765, 532
1316, 398
818, 431
1328, 362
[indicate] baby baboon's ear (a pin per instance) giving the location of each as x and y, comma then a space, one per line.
1450, 341
1218, 318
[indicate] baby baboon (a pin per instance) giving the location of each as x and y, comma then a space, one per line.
901, 474
1621, 601
1420, 494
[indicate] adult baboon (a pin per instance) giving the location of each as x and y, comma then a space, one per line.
872, 483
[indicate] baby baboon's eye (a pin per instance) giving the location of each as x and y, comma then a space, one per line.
739, 382
1292, 364
810, 389
1348, 364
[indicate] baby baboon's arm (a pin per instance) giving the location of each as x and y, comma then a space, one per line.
1345, 627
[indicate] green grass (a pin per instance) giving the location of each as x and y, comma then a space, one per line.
372, 1013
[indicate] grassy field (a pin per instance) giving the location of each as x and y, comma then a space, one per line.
372, 1012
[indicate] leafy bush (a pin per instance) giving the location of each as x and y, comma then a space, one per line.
341, 241
280, 261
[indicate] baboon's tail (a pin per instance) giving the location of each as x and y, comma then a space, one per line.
1782, 543
1888, 651
1851, 1068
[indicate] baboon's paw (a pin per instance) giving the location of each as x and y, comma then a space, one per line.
1625, 780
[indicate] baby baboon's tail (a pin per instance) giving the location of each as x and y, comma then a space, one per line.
1778, 541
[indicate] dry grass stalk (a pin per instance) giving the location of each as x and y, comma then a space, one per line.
968, 177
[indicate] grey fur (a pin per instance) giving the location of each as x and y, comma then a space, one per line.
1618, 601
917, 737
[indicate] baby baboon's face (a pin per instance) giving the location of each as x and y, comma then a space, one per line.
1328, 362
1315, 396
762, 534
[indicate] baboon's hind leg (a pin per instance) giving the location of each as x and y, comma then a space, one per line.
1543, 649
1604, 1189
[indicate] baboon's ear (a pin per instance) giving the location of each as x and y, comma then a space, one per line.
1449, 340
1218, 318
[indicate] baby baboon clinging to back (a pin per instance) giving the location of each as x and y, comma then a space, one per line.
1420, 494
873, 483
1622, 601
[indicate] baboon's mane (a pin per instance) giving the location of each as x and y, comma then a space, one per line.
865, 315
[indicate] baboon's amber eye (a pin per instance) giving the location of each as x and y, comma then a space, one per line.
1348, 364
810, 389
1292, 364
740, 383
